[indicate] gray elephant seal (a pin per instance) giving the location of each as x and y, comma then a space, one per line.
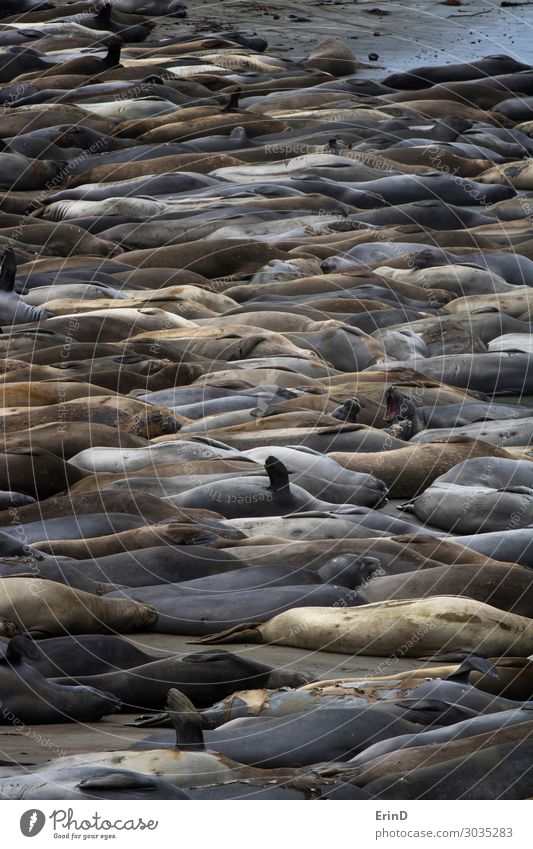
30, 698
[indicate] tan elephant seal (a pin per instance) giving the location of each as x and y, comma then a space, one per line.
412, 628
334, 57
50, 608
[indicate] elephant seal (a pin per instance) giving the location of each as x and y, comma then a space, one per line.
196, 612
496, 772
156, 565
85, 654
423, 756
13, 310
409, 470
501, 587
30, 698
46, 608
85, 783
455, 622
203, 677
246, 496
189, 764
468, 728
36, 472
334, 57
473, 509
511, 546
488, 66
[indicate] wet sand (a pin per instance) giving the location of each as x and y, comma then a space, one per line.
402, 34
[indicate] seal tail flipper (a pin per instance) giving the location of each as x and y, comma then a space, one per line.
8, 270
186, 721
472, 664
277, 474
248, 632
21, 647
103, 15
113, 53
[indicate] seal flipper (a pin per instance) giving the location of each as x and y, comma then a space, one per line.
247, 632
117, 780
21, 647
8, 271
207, 656
277, 474
103, 15
186, 721
471, 664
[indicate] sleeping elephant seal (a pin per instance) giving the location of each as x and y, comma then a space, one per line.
429, 75
87, 654
48, 608
496, 772
30, 698
188, 764
409, 470
195, 612
415, 628
14, 499
473, 509
333, 57
158, 565
91, 782
13, 309
203, 677
511, 546
36, 472
506, 588
244, 497
404, 760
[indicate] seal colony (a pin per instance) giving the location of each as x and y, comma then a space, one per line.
244, 301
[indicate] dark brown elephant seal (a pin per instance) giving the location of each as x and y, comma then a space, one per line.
217, 259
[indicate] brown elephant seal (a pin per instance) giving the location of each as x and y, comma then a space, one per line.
48, 608
170, 532
412, 628
70, 439
63, 238
118, 411
415, 757
409, 471
202, 163
222, 257
98, 500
